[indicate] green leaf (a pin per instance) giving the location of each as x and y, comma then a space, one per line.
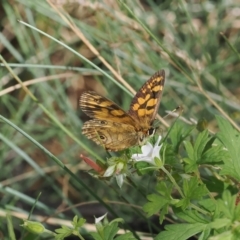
155, 204
168, 154
214, 154
200, 144
178, 133
192, 191
213, 184
191, 162
191, 165
227, 235
191, 216
205, 234
189, 148
208, 204
164, 189
203, 152
11, 228
180, 231
163, 212
227, 205
143, 168
78, 222
159, 201
63, 232
220, 223
230, 138
110, 230
96, 236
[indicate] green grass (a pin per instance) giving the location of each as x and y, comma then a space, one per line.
111, 48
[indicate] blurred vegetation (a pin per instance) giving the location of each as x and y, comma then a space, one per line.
195, 42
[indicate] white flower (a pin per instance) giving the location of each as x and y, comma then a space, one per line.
117, 170
110, 171
99, 219
149, 153
120, 178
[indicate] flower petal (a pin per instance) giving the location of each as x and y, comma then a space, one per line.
146, 149
158, 141
119, 179
99, 219
109, 172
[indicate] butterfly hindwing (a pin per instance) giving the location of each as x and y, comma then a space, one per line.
113, 136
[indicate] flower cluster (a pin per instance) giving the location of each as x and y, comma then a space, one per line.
118, 166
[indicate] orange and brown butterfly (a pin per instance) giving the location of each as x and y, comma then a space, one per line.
116, 129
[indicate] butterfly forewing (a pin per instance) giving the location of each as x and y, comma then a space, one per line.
96, 106
145, 104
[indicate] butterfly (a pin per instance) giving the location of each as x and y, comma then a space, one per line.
116, 129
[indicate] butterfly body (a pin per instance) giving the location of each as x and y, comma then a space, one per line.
116, 129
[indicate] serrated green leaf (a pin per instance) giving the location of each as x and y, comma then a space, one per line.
191, 165
164, 189
208, 204
230, 138
110, 231
192, 189
63, 232
183, 203
163, 212
180, 231
237, 213
169, 154
189, 148
96, 236
219, 223
213, 184
205, 235
224, 236
226, 207
178, 133
213, 155
191, 216
116, 220
200, 144
155, 204
78, 222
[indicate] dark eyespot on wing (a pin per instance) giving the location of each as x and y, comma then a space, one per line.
112, 136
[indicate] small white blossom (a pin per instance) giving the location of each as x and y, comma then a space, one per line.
116, 170
110, 171
99, 219
120, 178
149, 153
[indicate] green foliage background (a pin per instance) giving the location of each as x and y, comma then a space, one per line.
195, 42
